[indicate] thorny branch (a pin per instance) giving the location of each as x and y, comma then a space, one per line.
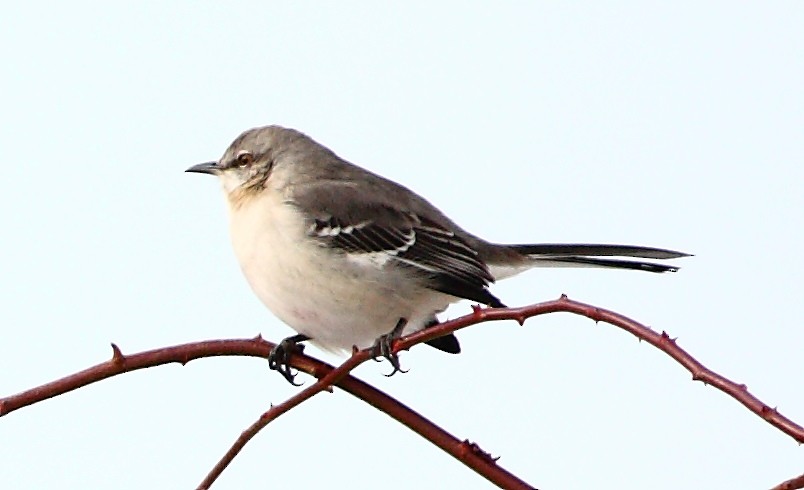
791, 484
465, 452
328, 376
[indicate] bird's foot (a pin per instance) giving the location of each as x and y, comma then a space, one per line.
383, 347
279, 358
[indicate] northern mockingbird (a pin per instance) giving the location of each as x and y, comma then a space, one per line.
349, 258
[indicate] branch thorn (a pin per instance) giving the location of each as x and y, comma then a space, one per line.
475, 449
117, 355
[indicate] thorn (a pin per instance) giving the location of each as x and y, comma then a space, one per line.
476, 309
563, 297
117, 355
355, 349
767, 411
466, 447
666, 338
520, 320
258, 338
471, 447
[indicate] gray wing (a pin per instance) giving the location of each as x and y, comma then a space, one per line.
356, 220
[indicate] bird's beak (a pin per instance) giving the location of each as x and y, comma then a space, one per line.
205, 168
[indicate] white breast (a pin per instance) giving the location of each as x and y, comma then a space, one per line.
335, 301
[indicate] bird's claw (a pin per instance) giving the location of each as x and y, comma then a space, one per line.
384, 348
279, 358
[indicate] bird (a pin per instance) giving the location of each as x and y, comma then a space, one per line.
349, 259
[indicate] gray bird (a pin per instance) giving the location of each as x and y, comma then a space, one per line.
348, 258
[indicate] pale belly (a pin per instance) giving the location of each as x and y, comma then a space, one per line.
336, 302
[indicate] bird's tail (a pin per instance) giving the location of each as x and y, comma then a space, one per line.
587, 255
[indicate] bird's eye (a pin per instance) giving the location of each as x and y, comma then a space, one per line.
244, 158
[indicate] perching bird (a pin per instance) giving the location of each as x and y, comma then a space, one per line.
348, 258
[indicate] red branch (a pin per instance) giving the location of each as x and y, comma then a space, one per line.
791, 484
467, 453
661, 341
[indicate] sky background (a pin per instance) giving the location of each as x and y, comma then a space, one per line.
674, 125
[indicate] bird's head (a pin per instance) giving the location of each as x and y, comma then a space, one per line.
247, 163
251, 159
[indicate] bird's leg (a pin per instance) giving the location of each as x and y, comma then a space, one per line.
280, 355
383, 346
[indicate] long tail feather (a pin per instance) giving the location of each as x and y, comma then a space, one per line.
585, 255
596, 250
609, 263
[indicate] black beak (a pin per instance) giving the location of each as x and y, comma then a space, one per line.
204, 168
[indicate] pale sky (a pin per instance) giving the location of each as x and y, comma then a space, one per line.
672, 125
